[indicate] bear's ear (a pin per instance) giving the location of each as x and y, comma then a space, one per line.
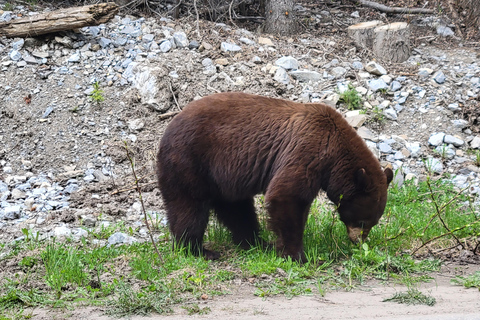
389, 174
361, 179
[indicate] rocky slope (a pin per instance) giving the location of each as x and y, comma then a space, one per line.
64, 169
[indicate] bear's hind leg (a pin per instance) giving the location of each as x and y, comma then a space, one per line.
240, 218
188, 220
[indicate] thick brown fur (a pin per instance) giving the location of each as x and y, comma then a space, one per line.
222, 150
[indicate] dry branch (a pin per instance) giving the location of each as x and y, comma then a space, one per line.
59, 20
387, 9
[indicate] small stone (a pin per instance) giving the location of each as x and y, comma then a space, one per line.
377, 84
357, 65
265, 41
74, 58
398, 179
475, 143
18, 194
281, 76
424, 72
460, 123
136, 124
366, 134
221, 61
386, 78
287, 63
439, 77
18, 45
434, 165
256, 60
306, 75
206, 46
445, 31
384, 147
120, 238
165, 46
180, 39
395, 86
229, 47
40, 54
390, 113
15, 55
89, 221
12, 213
62, 231
454, 107
65, 41
119, 42
148, 38
193, 44
445, 152
436, 139
338, 72
357, 120
410, 176
375, 68
449, 139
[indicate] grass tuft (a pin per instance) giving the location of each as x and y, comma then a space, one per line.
413, 296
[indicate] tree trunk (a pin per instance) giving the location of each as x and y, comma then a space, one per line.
59, 20
280, 17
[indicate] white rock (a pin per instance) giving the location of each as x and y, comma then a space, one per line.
457, 142
62, 231
475, 143
375, 68
436, 139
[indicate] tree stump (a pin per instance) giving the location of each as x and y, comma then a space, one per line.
362, 33
59, 20
392, 42
389, 42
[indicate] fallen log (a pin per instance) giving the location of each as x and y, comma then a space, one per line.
387, 9
59, 20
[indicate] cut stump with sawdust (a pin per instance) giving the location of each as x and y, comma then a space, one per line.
389, 42
59, 20
392, 42
362, 33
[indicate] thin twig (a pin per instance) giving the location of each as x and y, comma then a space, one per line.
438, 214
168, 115
174, 98
442, 207
132, 165
445, 234
129, 189
230, 14
198, 17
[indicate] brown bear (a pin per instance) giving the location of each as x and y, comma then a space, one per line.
224, 149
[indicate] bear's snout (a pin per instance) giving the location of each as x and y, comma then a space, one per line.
357, 234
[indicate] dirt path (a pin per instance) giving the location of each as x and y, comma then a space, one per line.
365, 302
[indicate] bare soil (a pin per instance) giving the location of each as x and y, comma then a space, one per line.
363, 302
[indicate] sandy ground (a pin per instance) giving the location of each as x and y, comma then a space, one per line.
364, 302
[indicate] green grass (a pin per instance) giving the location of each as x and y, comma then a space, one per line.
97, 93
351, 98
471, 281
412, 296
132, 280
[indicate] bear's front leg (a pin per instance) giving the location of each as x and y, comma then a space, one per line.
288, 216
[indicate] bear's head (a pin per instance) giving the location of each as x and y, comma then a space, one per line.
361, 209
